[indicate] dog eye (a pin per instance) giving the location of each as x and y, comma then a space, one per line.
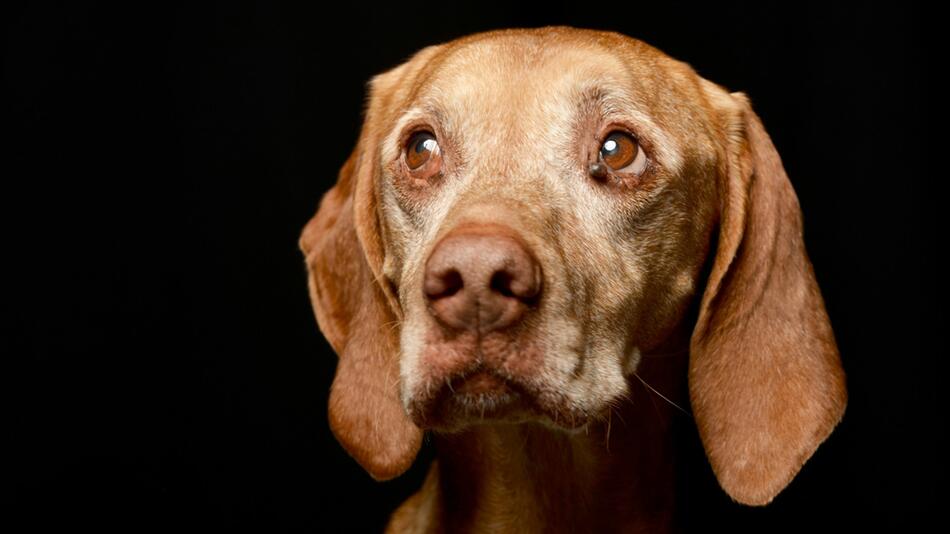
422, 148
621, 153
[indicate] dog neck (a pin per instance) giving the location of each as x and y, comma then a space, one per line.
614, 475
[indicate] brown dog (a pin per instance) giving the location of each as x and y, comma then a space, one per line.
533, 225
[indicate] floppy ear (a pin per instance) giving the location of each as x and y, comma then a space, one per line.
766, 383
344, 257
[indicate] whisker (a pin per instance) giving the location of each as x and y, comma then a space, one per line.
617, 413
392, 324
656, 408
677, 406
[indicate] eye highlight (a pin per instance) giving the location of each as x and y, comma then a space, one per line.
619, 153
421, 149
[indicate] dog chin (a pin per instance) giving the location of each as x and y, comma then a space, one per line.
486, 398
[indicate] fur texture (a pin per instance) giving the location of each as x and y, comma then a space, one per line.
517, 115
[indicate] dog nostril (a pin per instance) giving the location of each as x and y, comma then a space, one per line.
501, 283
444, 285
522, 283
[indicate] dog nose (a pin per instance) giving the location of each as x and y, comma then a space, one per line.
481, 279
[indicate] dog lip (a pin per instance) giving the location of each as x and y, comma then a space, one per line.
475, 394
480, 386
482, 382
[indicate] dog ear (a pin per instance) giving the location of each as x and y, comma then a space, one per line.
344, 256
766, 383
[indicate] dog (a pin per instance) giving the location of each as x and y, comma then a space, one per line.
541, 236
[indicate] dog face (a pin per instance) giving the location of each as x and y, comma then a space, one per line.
516, 126
526, 213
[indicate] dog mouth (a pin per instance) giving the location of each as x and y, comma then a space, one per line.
480, 395
482, 383
486, 396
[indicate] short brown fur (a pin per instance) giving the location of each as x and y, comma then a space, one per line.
766, 385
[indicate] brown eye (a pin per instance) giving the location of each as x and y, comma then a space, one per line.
422, 148
619, 150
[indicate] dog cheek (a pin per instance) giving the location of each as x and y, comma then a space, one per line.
411, 347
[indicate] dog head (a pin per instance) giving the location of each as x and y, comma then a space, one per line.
528, 212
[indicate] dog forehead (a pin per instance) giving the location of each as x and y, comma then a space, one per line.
527, 68
510, 59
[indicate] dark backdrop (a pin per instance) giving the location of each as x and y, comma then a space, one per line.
164, 367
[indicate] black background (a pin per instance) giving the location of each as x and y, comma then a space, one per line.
164, 370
